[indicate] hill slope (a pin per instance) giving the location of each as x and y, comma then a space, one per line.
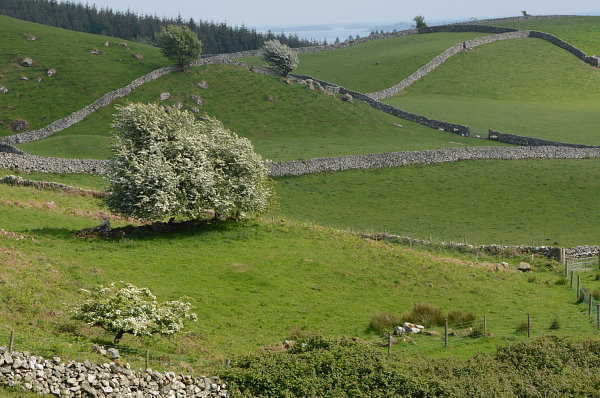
283, 122
81, 77
379, 64
524, 86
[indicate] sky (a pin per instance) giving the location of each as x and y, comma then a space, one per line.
260, 13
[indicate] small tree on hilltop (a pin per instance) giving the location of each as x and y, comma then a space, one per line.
179, 44
420, 21
279, 56
131, 310
167, 164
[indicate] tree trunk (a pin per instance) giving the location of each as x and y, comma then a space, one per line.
120, 334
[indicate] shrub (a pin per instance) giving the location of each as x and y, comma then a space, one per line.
383, 322
456, 317
179, 44
168, 164
424, 314
131, 310
555, 325
279, 56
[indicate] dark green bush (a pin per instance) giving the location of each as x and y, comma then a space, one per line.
545, 367
384, 321
425, 314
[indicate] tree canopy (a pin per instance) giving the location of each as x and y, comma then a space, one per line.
179, 44
167, 164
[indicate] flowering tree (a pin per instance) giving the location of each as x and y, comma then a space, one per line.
131, 310
279, 56
168, 164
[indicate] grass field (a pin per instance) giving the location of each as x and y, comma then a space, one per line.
549, 202
525, 86
251, 282
298, 123
80, 79
380, 64
581, 31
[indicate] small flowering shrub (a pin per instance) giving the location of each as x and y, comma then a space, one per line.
167, 164
132, 310
279, 56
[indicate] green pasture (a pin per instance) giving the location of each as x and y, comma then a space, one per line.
524, 86
379, 64
582, 32
546, 202
297, 123
80, 79
252, 283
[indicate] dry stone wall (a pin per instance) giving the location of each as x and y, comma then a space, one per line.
395, 159
41, 164
109, 380
529, 141
31, 163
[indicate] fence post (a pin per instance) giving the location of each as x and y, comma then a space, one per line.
10, 344
528, 324
567, 268
389, 342
446, 333
227, 362
572, 272
598, 315
589, 303
147, 358
484, 326
578, 286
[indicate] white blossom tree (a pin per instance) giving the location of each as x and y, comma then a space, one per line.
279, 56
132, 310
167, 164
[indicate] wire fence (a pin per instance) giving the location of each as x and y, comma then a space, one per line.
501, 327
590, 263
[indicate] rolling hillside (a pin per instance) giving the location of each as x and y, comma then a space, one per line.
524, 86
81, 77
296, 123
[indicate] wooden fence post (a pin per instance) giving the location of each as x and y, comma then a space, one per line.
572, 272
446, 333
484, 326
147, 358
389, 342
227, 362
578, 286
590, 303
598, 315
528, 324
10, 344
567, 268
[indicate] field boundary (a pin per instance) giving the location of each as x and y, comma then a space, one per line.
470, 44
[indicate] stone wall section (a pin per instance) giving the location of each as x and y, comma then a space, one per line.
529, 141
109, 380
31, 163
41, 164
446, 155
